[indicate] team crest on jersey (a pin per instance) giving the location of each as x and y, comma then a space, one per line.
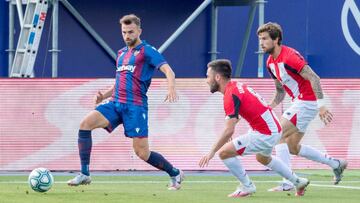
136, 52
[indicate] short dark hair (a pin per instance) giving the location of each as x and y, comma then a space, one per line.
273, 29
129, 19
221, 66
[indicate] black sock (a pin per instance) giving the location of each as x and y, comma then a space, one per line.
84, 145
159, 162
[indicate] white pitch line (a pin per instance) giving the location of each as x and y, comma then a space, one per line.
313, 183
336, 186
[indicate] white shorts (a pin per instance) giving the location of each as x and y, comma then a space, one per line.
301, 113
254, 142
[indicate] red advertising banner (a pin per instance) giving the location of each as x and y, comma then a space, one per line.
39, 122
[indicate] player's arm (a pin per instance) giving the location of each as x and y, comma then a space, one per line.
99, 97
279, 94
170, 76
224, 138
308, 74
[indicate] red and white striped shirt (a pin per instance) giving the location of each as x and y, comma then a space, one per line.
239, 99
286, 68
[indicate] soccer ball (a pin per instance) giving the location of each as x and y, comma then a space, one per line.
41, 180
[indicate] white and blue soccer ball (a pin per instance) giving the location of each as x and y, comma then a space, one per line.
41, 180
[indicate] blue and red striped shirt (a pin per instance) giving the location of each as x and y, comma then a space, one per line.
134, 70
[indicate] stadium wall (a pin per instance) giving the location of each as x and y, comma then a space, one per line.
40, 119
325, 32
4, 20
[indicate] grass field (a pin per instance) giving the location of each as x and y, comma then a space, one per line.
196, 188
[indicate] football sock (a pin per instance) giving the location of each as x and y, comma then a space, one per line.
235, 167
159, 162
282, 153
84, 145
315, 155
279, 167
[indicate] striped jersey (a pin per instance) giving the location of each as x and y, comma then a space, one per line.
239, 99
134, 70
286, 68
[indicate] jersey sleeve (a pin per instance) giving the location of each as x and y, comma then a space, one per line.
296, 61
231, 106
154, 58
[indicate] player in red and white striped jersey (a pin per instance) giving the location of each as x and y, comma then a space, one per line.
294, 76
241, 100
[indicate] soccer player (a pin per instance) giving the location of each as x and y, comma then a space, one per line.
135, 66
293, 75
241, 100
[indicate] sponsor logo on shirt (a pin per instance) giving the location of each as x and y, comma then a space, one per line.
130, 68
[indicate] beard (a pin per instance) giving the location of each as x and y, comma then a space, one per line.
214, 87
270, 51
130, 43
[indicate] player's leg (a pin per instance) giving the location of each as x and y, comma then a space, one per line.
263, 145
103, 117
313, 154
91, 121
141, 148
282, 149
291, 121
278, 166
307, 112
136, 127
228, 154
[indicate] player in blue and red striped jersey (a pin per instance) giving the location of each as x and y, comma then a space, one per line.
135, 66
294, 76
242, 101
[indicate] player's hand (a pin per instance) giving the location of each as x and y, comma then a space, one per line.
206, 159
98, 98
171, 96
325, 115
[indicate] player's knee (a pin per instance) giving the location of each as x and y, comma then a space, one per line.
223, 154
264, 160
294, 149
142, 154
84, 125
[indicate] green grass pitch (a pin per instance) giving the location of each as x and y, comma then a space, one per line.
195, 189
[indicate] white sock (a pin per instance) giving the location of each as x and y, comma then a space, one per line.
234, 165
282, 153
279, 167
315, 155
